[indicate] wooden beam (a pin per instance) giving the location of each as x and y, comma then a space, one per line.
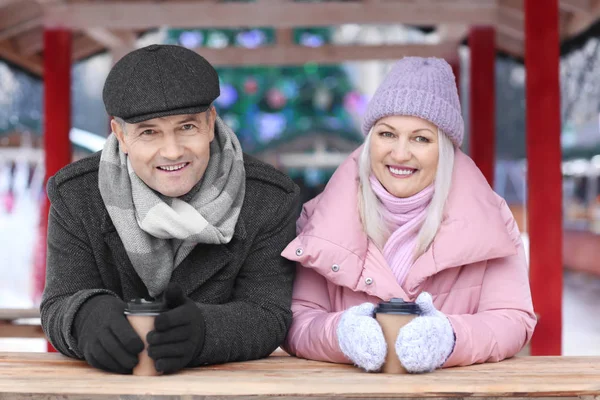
579, 22
30, 43
20, 28
511, 8
28, 63
329, 54
575, 6
17, 13
284, 36
564, 18
144, 15
84, 46
510, 45
111, 39
511, 24
5, 3
452, 33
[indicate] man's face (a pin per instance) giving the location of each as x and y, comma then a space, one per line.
170, 154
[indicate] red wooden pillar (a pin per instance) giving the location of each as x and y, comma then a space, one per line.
544, 179
57, 119
482, 115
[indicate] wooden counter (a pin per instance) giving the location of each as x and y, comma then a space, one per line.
52, 376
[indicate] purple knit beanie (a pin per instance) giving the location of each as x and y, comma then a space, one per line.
421, 87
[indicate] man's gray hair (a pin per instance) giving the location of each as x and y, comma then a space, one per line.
121, 122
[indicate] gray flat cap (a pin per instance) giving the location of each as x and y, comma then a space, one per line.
157, 81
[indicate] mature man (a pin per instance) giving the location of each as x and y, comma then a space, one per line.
170, 209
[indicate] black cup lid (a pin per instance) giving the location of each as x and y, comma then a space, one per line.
398, 306
143, 306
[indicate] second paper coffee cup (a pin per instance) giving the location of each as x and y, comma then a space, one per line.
141, 314
391, 316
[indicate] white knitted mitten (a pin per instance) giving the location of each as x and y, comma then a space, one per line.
361, 338
425, 343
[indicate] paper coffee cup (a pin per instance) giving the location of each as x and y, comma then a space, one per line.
141, 314
391, 316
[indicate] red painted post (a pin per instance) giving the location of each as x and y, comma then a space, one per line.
482, 115
57, 119
544, 179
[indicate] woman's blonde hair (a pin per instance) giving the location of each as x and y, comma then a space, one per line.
371, 209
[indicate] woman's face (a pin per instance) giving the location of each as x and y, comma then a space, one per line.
404, 154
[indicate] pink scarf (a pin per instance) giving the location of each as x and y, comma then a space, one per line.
404, 216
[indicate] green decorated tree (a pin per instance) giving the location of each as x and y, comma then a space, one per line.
269, 105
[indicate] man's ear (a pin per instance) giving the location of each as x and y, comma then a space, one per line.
212, 119
118, 130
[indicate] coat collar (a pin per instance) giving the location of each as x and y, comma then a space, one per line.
331, 234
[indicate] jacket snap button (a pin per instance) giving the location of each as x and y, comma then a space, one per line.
335, 268
299, 251
368, 281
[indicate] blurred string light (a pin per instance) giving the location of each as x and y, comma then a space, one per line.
290, 88
276, 99
322, 98
251, 38
355, 103
270, 126
191, 39
309, 39
333, 123
250, 86
217, 40
228, 96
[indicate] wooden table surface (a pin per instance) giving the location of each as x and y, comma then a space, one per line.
52, 376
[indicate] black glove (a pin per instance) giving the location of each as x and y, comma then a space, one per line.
178, 335
105, 336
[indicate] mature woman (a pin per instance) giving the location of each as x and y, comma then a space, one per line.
409, 215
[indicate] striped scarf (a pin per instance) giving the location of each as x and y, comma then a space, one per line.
158, 232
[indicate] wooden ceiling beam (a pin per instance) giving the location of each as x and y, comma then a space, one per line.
180, 14
452, 33
328, 54
18, 13
511, 25
30, 43
580, 21
510, 45
111, 39
284, 36
575, 6
32, 64
5, 3
20, 28
84, 46
511, 9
